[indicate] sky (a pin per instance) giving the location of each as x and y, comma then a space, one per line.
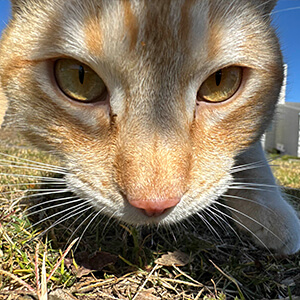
286, 18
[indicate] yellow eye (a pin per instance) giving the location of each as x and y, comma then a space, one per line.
221, 85
78, 81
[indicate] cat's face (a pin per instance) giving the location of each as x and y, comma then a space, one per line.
147, 102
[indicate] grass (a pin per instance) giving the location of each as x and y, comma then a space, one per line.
287, 171
116, 261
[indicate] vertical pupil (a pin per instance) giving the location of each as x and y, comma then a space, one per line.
81, 74
218, 77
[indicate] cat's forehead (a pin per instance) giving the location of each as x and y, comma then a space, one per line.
109, 28
154, 31
121, 30
139, 24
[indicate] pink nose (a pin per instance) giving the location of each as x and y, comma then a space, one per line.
154, 208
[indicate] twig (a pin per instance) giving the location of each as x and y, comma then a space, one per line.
187, 276
147, 279
199, 294
230, 278
36, 268
61, 259
44, 294
16, 278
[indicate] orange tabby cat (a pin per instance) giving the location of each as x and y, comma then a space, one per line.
155, 107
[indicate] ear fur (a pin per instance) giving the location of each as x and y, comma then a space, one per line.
17, 5
267, 5
3, 106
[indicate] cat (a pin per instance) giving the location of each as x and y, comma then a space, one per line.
155, 107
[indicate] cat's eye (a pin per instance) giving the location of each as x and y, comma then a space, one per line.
78, 81
221, 85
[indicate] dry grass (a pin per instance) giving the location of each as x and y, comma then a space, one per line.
287, 171
230, 268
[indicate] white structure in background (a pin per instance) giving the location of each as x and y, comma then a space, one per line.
284, 133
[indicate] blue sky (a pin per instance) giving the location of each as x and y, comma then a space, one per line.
286, 19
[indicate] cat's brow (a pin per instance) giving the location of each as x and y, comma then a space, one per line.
133, 27
131, 23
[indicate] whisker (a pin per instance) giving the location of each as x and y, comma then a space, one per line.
69, 228
53, 206
61, 219
73, 208
33, 176
30, 183
245, 227
216, 220
250, 218
14, 166
34, 162
34, 190
108, 221
49, 201
223, 221
248, 200
87, 226
250, 188
253, 184
248, 167
39, 194
208, 225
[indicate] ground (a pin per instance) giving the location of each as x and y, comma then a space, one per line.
115, 261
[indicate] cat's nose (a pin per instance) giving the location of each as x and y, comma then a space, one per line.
154, 207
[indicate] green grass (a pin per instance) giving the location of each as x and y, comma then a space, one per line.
231, 268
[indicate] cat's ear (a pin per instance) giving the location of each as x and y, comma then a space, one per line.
3, 106
267, 5
16, 5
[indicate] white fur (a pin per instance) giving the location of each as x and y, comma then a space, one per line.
276, 224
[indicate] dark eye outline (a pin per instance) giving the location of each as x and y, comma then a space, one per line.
218, 79
102, 99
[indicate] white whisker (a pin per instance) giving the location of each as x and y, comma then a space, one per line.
31, 183
62, 219
87, 226
248, 200
53, 206
23, 197
243, 168
223, 221
250, 188
250, 218
36, 190
20, 159
32, 176
245, 227
253, 184
208, 225
73, 208
14, 166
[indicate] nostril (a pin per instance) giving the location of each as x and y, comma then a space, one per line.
154, 207
153, 213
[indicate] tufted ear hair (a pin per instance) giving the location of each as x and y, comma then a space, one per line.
3, 106
17, 6
266, 5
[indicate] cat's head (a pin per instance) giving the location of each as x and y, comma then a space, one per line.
147, 102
